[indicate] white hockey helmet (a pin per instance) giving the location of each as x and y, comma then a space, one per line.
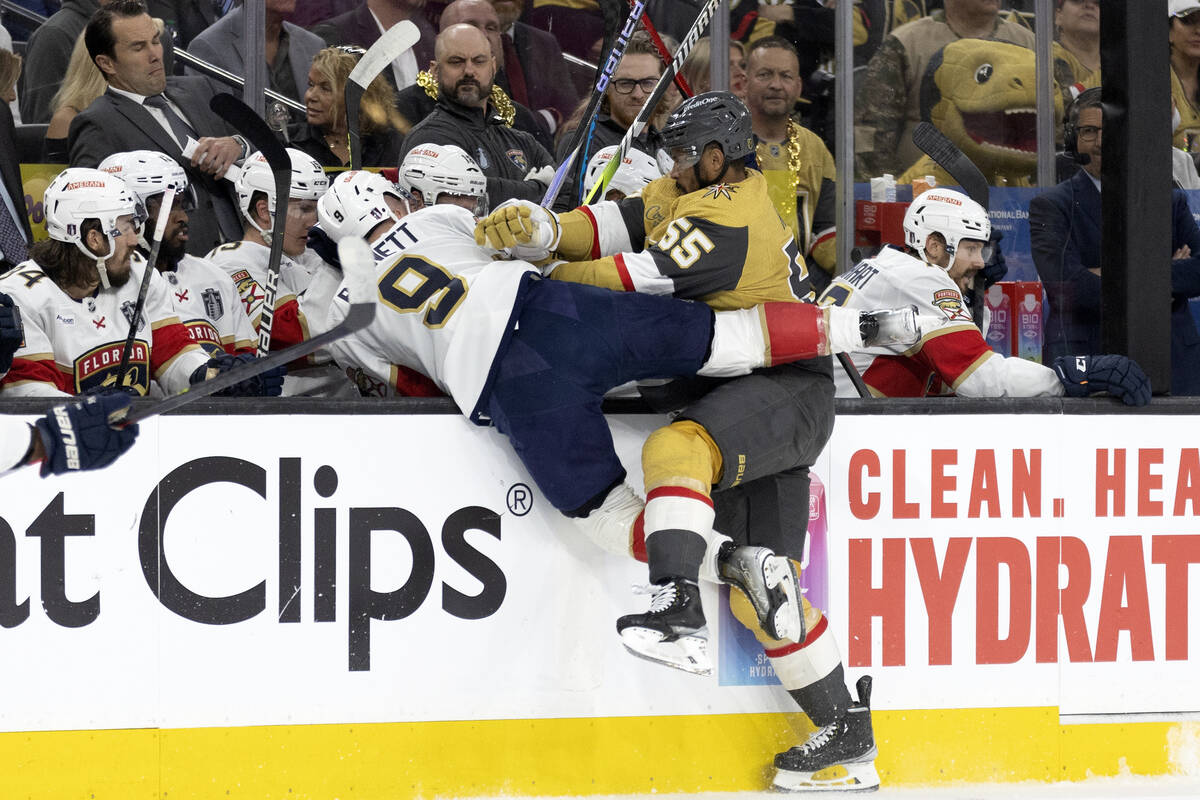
78, 194
308, 182
952, 214
355, 204
635, 171
437, 169
148, 173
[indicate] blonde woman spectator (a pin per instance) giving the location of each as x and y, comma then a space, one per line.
82, 84
697, 68
324, 135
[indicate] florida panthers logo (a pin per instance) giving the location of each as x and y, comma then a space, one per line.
951, 304
518, 157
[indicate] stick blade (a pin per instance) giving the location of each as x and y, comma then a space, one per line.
249, 124
949, 157
387, 48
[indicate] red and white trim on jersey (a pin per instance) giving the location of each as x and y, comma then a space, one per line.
827, 235
801, 664
639, 273
609, 234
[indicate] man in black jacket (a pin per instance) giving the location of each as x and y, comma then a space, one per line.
516, 166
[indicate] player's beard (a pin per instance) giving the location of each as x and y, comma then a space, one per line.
470, 92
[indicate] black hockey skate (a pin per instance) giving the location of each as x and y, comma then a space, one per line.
673, 631
771, 584
840, 757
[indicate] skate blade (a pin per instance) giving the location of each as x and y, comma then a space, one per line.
687, 653
854, 776
789, 618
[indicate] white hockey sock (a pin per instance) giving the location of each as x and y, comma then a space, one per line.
801, 664
678, 526
610, 526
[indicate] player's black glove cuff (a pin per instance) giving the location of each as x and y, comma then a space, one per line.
320, 243
996, 268
81, 435
11, 331
1117, 375
264, 384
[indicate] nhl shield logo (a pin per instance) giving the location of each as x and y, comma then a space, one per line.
213, 307
127, 311
518, 157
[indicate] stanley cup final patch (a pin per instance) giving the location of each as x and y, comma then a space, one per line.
214, 308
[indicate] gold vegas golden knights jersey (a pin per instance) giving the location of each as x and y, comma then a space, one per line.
724, 245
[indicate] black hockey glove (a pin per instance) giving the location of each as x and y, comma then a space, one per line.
320, 243
81, 435
11, 331
995, 269
1117, 375
264, 384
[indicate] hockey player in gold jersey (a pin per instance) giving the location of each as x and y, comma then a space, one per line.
732, 468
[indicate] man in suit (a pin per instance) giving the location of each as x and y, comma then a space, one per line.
1065, 225
365, 24
289, 49
531, 64
144, 110
15, 234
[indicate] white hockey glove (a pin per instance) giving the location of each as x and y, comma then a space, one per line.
521, 228
543, 175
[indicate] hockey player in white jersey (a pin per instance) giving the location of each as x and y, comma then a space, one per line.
202, 293
78, 293
246, 261
74, 437
946, 234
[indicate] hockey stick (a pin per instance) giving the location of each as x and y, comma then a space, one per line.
647, 110
160, 228
358, 265
387, 48
249, 124
604, 75
951, 158
665, 54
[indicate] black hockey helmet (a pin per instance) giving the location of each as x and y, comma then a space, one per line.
719, 117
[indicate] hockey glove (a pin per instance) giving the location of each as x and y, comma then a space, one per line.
1117, 375
264, 384
81, 435
11, 331
320, 243
526, 230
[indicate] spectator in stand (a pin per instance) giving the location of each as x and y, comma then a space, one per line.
1184, 38
10, 70
82, 85
47, 56
313, 12
77, 293
516, 166
798, 167
531, 65
887, 104
142, 109
289, 49
15, 234
324, 134
576, 25
417, 101
697, 67
632, 83
1077, 39
365, 24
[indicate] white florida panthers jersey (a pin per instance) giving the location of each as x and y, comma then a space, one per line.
209, 306
952, 356
443, 306
72, 345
